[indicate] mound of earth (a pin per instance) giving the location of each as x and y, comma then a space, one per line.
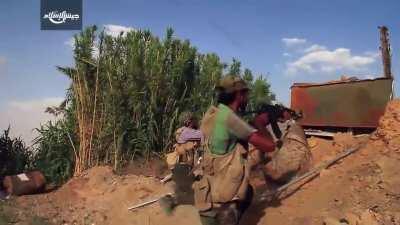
101, 197
362, 189
388, 131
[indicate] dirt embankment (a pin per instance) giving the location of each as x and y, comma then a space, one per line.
362, 189
388, 131
101, 197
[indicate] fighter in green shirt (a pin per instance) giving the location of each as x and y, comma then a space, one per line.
223, 192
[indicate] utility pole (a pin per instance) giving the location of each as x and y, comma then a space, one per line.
385, 51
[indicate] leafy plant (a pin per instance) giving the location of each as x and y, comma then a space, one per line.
126, 94
54, 155
14, 155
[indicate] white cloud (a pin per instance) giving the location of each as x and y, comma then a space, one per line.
287, 54
110, 29
327, 61
373, 54
369, 77
70, 42
25, 116
115, 30
314, 48
291, 42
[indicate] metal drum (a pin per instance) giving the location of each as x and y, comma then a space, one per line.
24, 183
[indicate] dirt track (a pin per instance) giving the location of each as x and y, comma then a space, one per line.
363, 187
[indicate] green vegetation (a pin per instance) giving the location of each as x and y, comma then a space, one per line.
50, 154
53, 152
125, 98
14, 155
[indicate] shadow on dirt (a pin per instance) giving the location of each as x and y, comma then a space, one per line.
257, 209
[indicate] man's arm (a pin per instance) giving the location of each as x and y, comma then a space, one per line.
262, 139
260, 123
262, 120
245, 132
262, 142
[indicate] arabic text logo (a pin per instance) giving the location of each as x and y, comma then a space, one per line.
60, 17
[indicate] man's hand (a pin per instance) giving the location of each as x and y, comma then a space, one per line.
262, 142
261, 120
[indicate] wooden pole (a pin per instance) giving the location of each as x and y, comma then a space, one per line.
385, 51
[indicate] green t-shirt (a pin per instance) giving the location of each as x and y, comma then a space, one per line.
227, 130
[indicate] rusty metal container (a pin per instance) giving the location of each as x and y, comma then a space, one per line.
348, 104
24, 183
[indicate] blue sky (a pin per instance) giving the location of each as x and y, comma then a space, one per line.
287, 41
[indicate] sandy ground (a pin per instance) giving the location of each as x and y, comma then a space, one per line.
362, 189
365, 183
101, 197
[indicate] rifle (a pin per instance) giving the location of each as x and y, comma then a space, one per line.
276, 112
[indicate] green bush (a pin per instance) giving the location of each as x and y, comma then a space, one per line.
54, 152
14, 155
126, 95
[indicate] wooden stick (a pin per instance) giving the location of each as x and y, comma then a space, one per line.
166, 178
147, 203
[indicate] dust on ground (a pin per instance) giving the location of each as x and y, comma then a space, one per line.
362, 189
